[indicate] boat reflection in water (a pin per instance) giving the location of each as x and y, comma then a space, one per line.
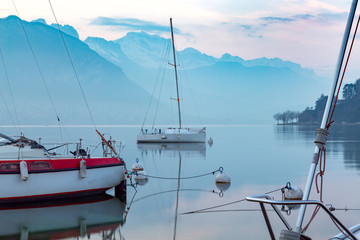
69, 218
172, 149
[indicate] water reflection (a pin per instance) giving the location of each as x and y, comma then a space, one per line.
98, 216
352, 154
263, 158
343, 140
293, 132
177, 197
172, 149
174, 174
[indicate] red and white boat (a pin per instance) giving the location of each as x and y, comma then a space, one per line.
28, 171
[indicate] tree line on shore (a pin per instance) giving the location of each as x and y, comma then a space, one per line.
287, 117
347, 109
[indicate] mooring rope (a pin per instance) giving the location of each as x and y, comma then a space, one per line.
181, 178
174, 190
226, 204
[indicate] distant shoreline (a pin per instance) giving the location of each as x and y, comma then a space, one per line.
317, 123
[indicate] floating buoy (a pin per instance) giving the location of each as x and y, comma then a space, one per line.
222, 177
210, 141
141, 178
137, 166
293, 193
140, 175
222, 186
141, 182
288, 208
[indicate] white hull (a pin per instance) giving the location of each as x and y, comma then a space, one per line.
58, 183
58, 178
173, 136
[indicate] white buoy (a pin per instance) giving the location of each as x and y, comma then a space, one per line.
293, 193
222, 186
210, 141
289, 208
222, 177
137, 166
141, 178
140, 175
142, 182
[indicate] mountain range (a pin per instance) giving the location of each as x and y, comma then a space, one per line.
40, 71
228, 89
48, 73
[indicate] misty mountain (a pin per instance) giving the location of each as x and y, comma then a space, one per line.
266, 62
40, 96
252, 94
147, 51
226, 90
70, 30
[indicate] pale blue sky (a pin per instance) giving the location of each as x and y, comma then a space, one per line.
308, 32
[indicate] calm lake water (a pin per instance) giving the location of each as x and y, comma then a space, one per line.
258, 159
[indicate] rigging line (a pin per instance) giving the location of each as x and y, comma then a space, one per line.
130, 204
321, 174
161, 85
347, 209
159, 71
154, 89
158, 102
235, 210
169, 76
339, 70
190, 90
226, 204
2, 96
344, 70
38, 67
161, 75
72, 64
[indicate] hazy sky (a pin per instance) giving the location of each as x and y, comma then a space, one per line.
308, 32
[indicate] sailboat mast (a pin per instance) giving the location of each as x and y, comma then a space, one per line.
326, 114
176, 77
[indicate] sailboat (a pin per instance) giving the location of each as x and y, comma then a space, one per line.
174, 134
32, 172
298, 231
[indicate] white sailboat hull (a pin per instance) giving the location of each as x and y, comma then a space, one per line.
173, 135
